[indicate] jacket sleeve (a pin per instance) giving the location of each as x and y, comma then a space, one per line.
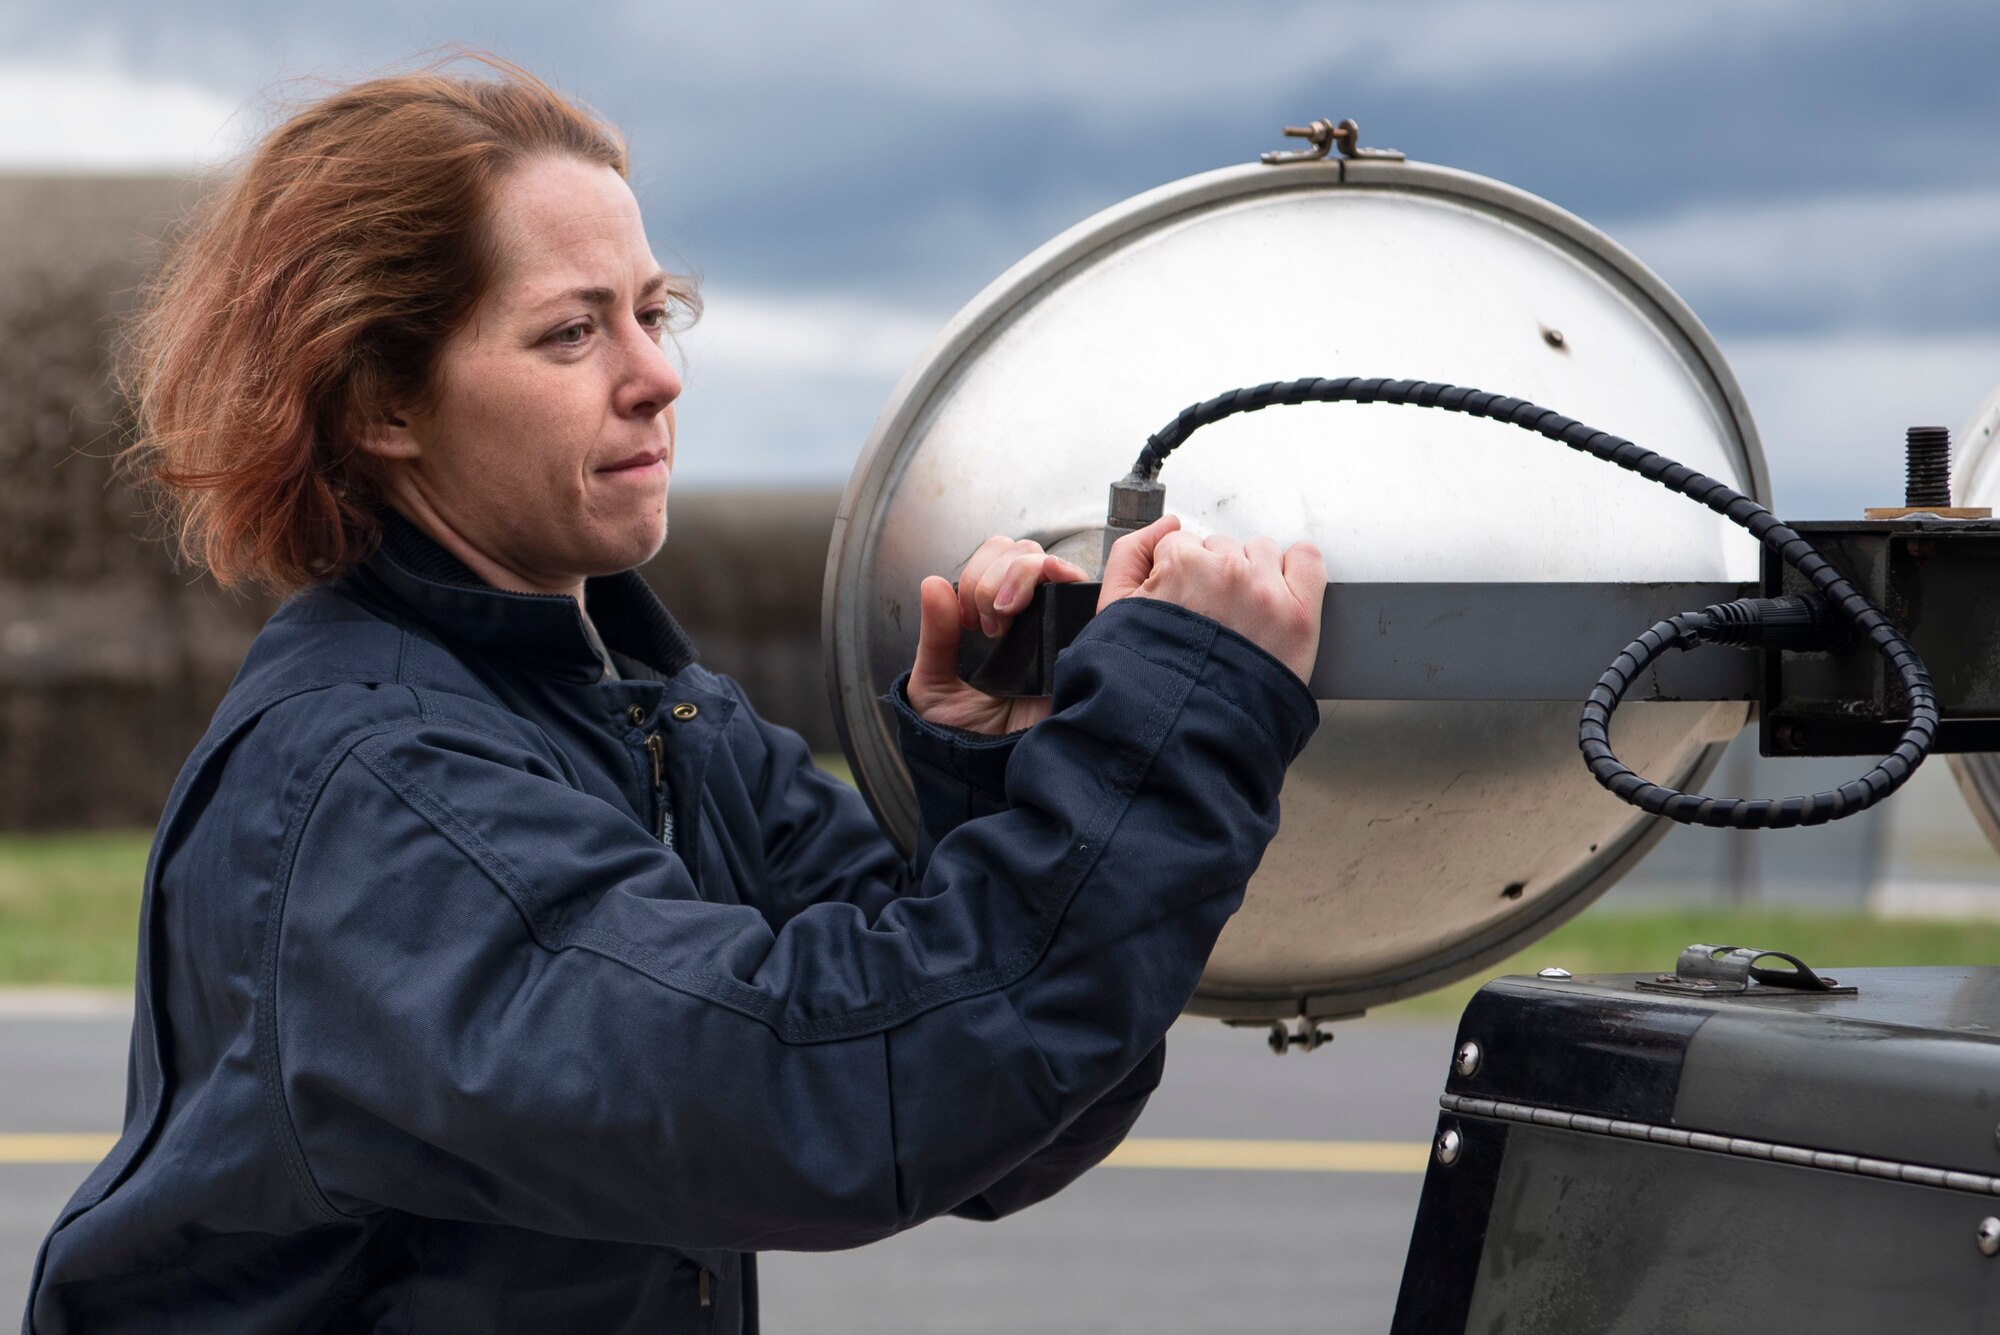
492, 998
820, 841
1083, 1145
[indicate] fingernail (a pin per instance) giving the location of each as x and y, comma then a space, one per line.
1005, 602
990, 626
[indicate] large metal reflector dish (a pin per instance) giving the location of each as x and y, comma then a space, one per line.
1423, 839
1975, 480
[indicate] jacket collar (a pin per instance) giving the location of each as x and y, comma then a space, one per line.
544, 632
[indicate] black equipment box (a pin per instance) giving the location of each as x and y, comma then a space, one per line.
1708, 1151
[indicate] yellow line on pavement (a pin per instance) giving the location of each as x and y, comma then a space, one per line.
54, 1148
1274, 1156
1277, 1156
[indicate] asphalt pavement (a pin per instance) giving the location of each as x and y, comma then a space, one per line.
1257, 1194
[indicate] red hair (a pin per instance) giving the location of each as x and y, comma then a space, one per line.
312, 294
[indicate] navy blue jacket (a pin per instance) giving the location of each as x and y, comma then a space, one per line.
435, 1033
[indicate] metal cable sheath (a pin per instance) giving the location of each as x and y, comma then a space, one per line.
1682, 632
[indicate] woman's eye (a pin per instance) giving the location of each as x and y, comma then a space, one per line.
571, 335
654, 321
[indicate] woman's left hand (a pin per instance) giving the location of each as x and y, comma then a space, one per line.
995, 585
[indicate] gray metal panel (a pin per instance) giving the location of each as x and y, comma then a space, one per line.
1514, 642
1595, 1233
1921, 1087
1904, 1069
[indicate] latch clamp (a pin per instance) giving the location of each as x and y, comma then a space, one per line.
1734, 971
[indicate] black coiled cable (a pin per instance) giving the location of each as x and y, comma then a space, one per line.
1743, 622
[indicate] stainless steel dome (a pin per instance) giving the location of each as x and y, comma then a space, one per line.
1420, 840
1975, 480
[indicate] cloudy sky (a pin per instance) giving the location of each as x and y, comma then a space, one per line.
1820, 179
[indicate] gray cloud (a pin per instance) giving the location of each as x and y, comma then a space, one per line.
918, 149
1818, 178
1904, 261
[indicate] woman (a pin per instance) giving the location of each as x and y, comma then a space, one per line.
500, 969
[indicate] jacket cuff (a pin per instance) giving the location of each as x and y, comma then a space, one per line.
975, 760
1237, 671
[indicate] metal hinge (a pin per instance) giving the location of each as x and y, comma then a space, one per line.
1325, 136
1734, 971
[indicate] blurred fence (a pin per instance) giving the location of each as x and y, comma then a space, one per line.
111, 660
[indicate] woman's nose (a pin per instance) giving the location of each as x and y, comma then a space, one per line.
652, 381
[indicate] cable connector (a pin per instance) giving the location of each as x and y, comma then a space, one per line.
1136, 501
1799, 623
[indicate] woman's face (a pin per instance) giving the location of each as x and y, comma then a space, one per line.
544, 459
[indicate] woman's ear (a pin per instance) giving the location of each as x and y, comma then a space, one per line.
390, 437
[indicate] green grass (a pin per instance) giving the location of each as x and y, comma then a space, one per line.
69, 909
69, 906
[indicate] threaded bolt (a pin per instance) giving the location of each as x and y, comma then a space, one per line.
1928, 482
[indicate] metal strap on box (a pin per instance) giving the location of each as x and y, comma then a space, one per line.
1920, 1174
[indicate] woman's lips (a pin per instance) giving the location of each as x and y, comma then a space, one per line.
639, 462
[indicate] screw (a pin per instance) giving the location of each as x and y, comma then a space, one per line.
1468, 1059
1554, 338
1927, 456
1448, 1144
1553, 972
1989, 1227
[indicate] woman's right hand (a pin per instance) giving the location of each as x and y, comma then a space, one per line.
1270, 597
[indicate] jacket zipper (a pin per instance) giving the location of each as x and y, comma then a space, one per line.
656, 751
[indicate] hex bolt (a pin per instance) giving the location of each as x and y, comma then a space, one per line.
1927, 455
1467, 1063
1448, 1144
1989, 1236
